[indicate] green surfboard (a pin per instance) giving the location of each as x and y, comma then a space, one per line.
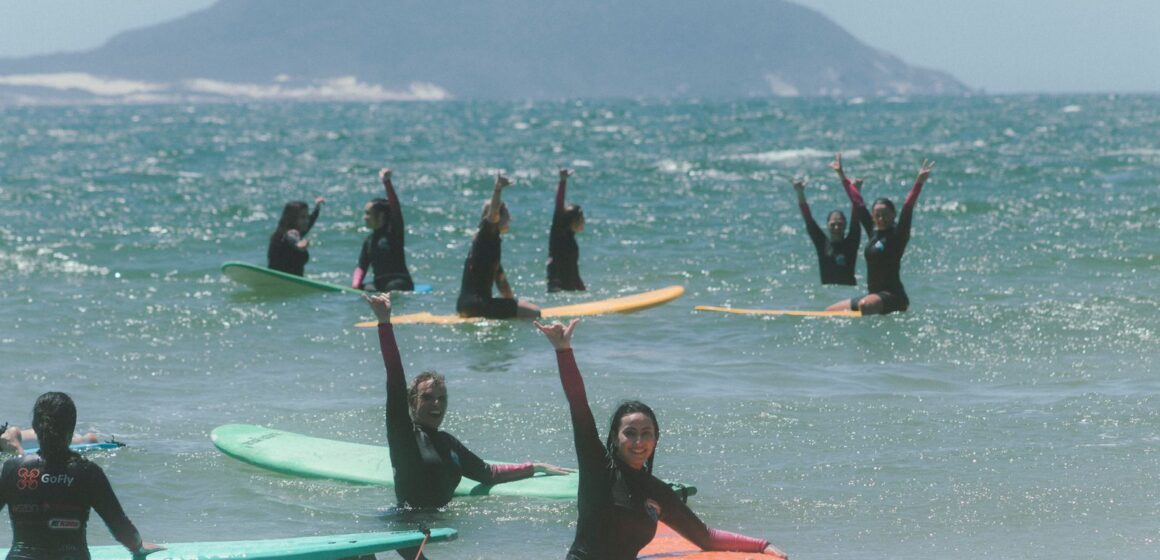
302, 455
260, 278
326, 547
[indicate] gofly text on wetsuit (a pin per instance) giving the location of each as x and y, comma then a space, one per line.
49, 507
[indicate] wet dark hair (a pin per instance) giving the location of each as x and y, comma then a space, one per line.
572, 212
382, 207
626, 408
54, 418
885, 202
413, 391
838, 212
289, 219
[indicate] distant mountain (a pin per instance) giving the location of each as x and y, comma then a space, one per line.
486, 49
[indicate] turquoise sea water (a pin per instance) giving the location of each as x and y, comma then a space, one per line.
1014, 412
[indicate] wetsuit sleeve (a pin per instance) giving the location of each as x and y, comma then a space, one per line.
853, 232
908, 211
292, 238
313, 218
109, 508
815, 232
478, 470
400, 430
364, 262
396, 220
859, 206
677, 515
589, 450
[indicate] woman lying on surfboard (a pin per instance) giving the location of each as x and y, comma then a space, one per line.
482, 268
287, 251
49, 493
620, 501
885, 248
14, 439
563, 251
382, 252
429, 463
838, 251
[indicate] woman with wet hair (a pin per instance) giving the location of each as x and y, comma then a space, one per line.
885, 248
49, 494
287, 251
383, 255
563, 251
837, 247
483, 267
620, 501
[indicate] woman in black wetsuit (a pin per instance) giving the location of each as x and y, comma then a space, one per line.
837, 252
483, 267
620, 501
429, 463
382, 252
287, 250
885, 248
49, 494
563, 251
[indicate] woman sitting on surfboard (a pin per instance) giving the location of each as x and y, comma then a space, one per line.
482, 267
563, 251
14, 439
428, 462
838, 252
884, 251
49, 493
287, 250
382, 251
620, 501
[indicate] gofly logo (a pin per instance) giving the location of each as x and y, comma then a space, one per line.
29, 479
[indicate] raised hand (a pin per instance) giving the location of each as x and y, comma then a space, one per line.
565, 173
557, 334
799, 185
836, 165
381, 305
501, 181
924, 171
385, 175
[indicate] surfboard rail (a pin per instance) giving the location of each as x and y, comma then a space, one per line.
774, 312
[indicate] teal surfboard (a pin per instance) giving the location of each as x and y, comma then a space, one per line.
302, 455
84, 447
260, 278
326, 547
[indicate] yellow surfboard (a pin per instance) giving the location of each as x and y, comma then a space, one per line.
625, 304
779, 312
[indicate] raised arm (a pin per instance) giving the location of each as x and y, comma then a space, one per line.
912, 198
399, 425
853, 190
318, 202
816, 234
561, 189
501, 182
589, 449
853, 232
396, 209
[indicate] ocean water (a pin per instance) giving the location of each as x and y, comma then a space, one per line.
1014, 412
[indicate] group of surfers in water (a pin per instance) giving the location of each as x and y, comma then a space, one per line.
382, 263
49, 493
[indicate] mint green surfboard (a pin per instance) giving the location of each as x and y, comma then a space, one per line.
262, 279
302, 455
326, 547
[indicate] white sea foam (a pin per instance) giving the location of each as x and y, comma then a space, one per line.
81, 81
782, 156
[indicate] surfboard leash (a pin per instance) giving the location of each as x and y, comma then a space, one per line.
426, 535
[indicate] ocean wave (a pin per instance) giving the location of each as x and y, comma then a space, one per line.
781, 156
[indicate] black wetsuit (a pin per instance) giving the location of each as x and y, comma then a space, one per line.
382, 251
481, 269
563, 251
428, 463
615, 520
884, 251
836, 260
283, 253
49, 508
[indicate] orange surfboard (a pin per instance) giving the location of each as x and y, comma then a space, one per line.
668, 544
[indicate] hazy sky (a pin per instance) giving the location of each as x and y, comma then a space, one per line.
1001, 46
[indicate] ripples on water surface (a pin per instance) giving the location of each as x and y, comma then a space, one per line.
1011, 413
